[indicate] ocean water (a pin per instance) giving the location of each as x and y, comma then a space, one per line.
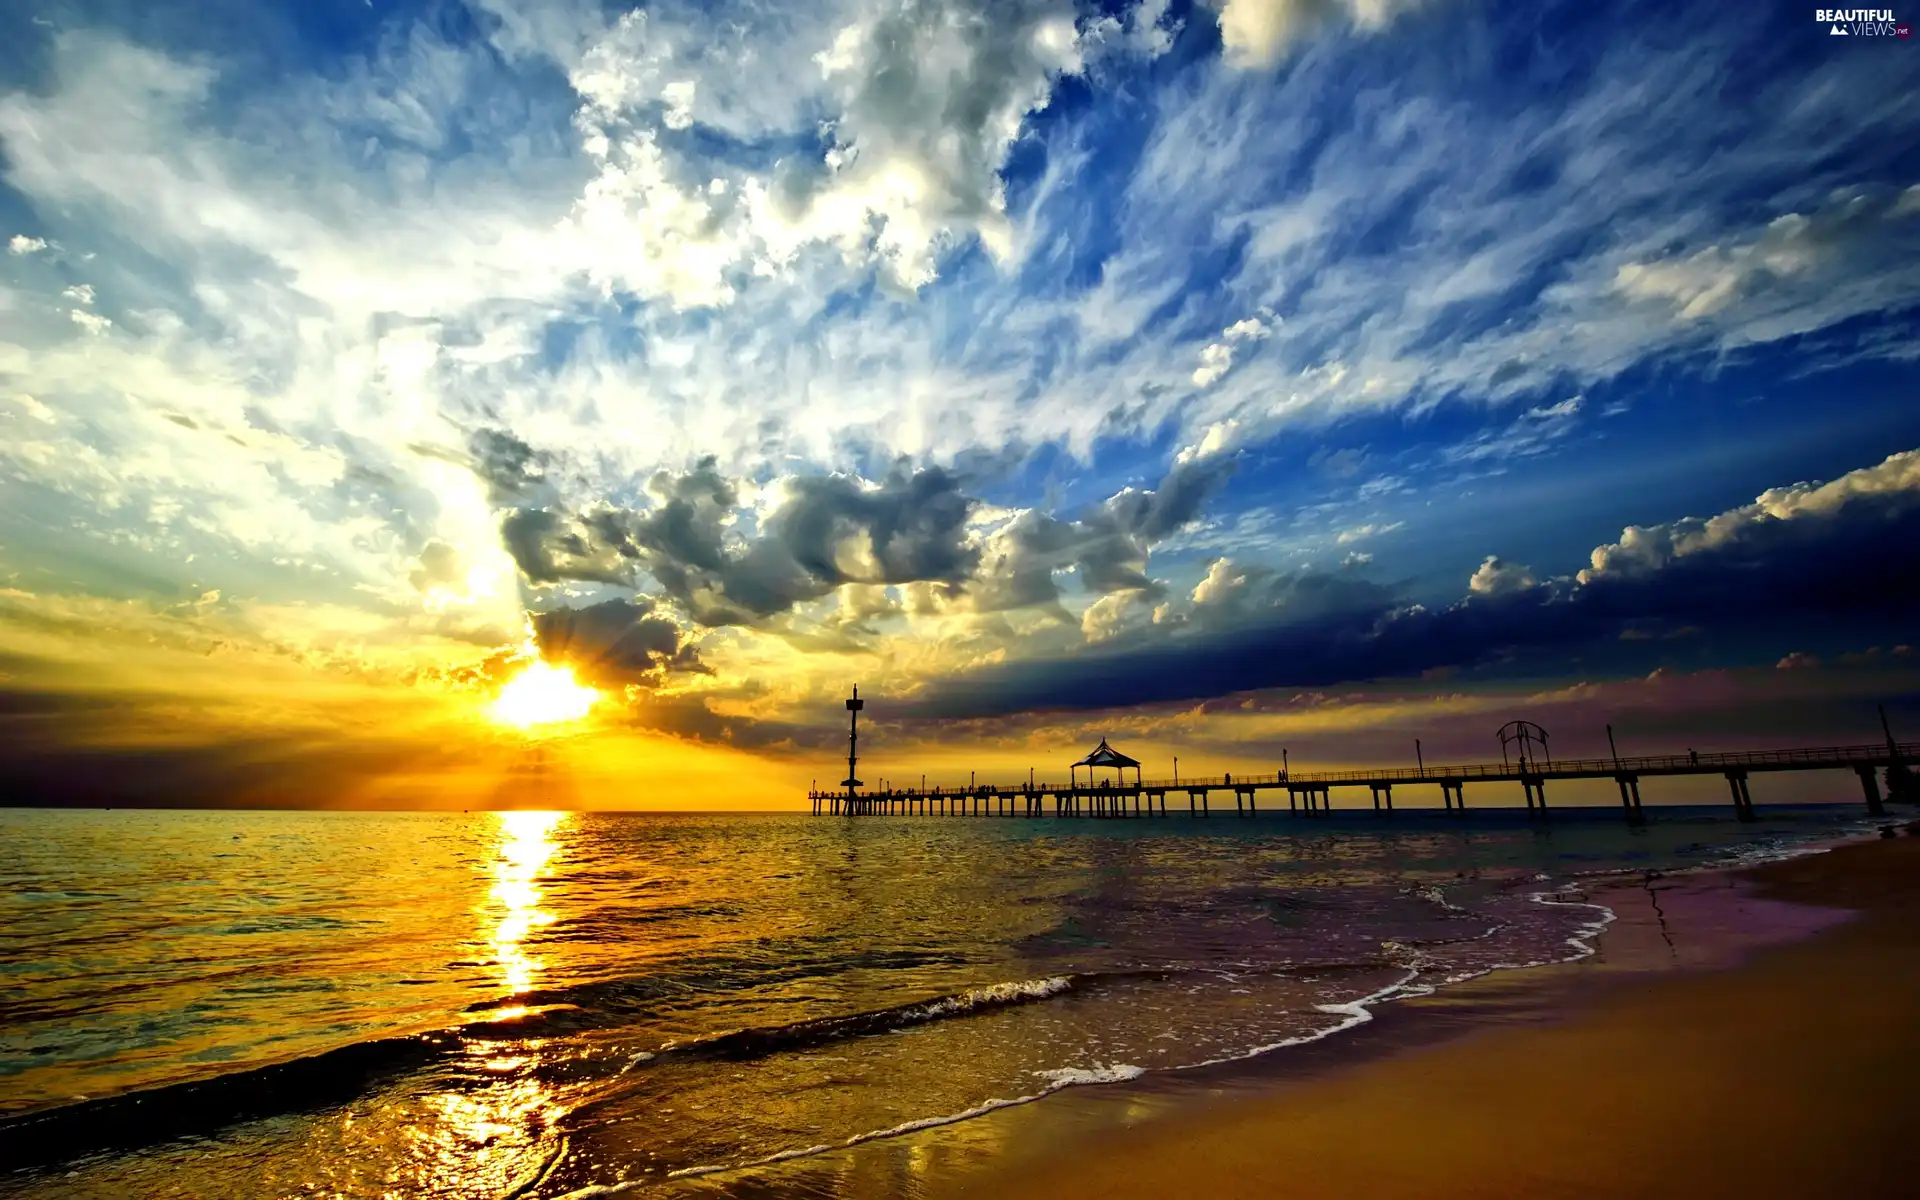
544, 1004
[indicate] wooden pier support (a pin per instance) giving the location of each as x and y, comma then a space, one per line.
1453, 795
1630, 798
1382, 792
1536, 789
1870, 784
1742, 798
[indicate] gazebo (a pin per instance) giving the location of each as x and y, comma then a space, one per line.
1104, 756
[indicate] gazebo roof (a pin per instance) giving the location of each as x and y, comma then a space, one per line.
1106, 756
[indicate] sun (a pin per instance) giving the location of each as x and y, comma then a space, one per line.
543, 694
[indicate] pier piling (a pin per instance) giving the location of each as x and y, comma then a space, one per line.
1630, 798
1870, 784
1742, 798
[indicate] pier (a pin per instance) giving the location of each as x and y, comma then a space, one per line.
1309, 794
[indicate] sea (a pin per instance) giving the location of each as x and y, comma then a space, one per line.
549, 1004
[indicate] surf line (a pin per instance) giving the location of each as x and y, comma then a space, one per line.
1354, 1013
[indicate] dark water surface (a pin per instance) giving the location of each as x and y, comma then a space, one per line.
218, 1003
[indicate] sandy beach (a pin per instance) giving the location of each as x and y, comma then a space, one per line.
1789, 1074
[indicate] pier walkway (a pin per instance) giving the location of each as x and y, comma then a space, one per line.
1310, 793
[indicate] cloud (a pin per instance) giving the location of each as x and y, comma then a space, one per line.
508, 465
1536, 431
1259, 33
1495, 577
1777, 518
615, 642
1797, 661
1753, 283
555, 547
1142, 30
1821, 559
1359, 532
820, 533
918, 103
20, 244
1108, 546
1217, 359
440, 566
372, 322
1114, 614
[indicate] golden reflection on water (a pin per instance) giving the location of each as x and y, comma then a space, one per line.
493, 1131
526, 845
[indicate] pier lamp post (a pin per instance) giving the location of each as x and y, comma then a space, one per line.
1419, 758
1615, 749
1176, 770
1285, 769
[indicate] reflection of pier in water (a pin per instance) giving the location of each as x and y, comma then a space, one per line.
1310, 793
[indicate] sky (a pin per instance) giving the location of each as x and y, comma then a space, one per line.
1225, 379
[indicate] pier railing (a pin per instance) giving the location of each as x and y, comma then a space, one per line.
1812, 757
1111, 797
1874, 754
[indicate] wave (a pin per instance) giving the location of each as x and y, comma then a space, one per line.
142, 1118
1351, 1014
759, 1042
337, 1076
200, 1107
1056, 1080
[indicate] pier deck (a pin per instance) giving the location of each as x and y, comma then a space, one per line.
1310, 793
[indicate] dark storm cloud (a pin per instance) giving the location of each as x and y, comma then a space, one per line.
828, 531
1756, 573
690, 718
508, 465
916, 525
1108, 546
553, 547
615, 642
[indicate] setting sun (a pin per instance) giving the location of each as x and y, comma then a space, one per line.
542, 694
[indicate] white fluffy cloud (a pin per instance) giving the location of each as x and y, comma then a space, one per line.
1642, 549
1763, 286
1259, 33
1495, 577
1359, 532
918, 102
1217, 359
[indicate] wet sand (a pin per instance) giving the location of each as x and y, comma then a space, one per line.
1791, 1073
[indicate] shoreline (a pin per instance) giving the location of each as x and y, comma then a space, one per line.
1726, 1075
1168, 1133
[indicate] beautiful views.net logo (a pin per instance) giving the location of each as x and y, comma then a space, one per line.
1861, 22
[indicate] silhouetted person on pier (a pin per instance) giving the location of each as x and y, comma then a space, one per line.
1693, 757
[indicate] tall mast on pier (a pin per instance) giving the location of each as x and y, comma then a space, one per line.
854, 705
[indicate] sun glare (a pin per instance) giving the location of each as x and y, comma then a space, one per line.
543, 694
